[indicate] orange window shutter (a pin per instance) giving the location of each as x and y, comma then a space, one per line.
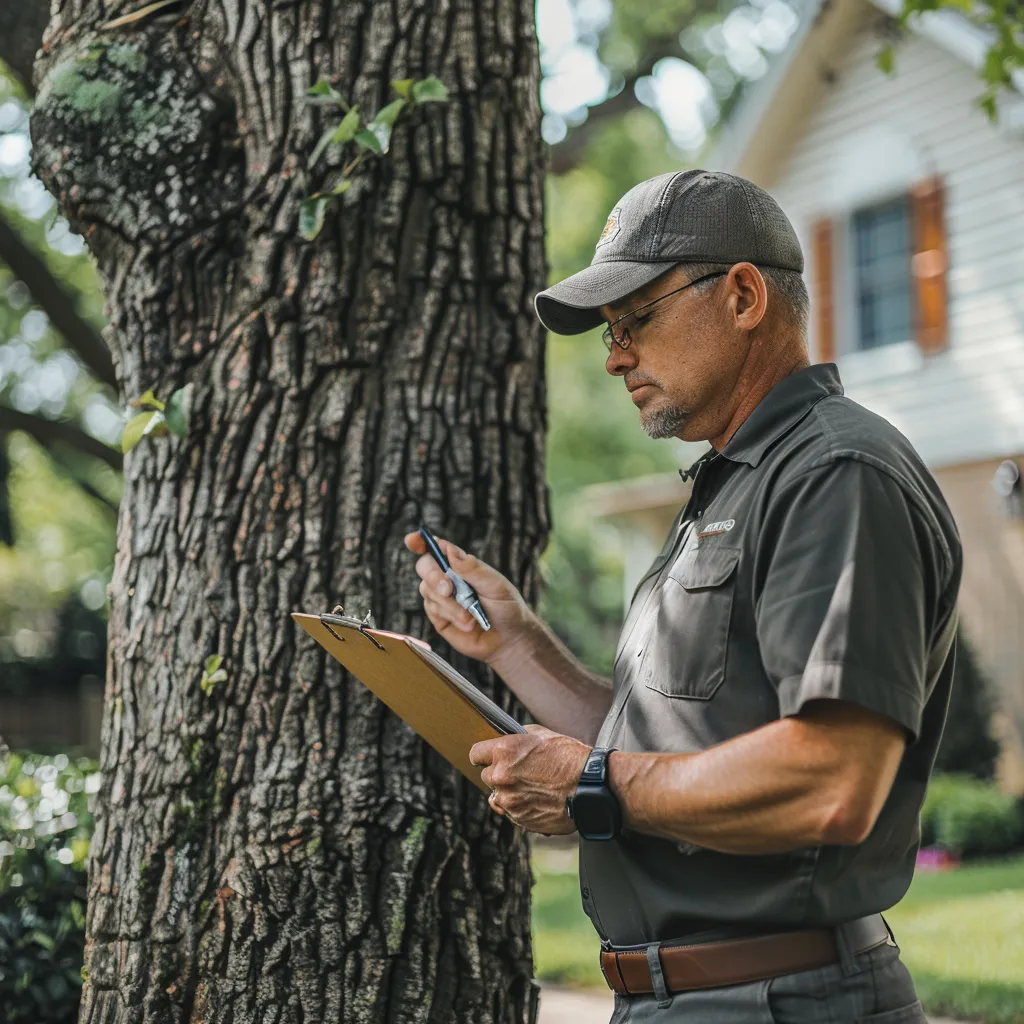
823, 288
929, 265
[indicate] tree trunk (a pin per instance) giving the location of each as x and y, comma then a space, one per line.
282, 848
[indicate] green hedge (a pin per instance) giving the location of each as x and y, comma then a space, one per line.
971, 818
45, 824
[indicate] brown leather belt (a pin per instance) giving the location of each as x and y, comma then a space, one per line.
736, 961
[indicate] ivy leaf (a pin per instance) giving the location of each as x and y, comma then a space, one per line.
323, 94
389, 114
381, 125
156, 427
318, 149
179, 406
348, 127
403, 86
340, 133
311, 216
885, 60
148, 401
369, 140
342, 187
430, 90
212, 673
134, 429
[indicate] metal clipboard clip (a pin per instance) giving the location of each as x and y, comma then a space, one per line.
361, 625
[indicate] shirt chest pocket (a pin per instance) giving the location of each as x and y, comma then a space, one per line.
685, 650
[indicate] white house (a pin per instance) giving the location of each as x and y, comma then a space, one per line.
909, 204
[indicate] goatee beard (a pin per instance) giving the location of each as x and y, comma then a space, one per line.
663, 422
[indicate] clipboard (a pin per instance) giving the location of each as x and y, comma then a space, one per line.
417, 684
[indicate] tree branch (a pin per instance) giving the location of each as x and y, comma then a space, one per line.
569, 153
57, 303
22, 23
46, 432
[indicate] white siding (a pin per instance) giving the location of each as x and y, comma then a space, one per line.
872, 136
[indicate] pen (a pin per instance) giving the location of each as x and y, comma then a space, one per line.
464, 593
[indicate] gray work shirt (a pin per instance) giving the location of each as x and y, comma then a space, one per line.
816, 558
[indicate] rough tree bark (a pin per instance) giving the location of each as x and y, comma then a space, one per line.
284, 849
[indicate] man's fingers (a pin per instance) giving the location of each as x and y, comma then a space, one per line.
483, 752
414, 542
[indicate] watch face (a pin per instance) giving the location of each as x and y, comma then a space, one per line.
596, 813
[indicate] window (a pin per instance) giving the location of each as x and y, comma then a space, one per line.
882, 249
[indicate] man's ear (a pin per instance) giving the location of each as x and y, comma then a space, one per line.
749, 295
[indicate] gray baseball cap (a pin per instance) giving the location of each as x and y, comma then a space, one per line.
680, 217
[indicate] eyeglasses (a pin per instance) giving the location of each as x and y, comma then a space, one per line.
608, 334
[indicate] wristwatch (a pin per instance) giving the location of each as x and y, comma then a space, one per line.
594, 807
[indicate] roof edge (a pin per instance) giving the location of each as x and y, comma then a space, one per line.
820, 29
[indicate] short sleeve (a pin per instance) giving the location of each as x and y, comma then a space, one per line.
845, 571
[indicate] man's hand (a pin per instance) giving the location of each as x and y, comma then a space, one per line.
510, 616
531, 775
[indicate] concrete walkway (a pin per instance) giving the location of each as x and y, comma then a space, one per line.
593, 1006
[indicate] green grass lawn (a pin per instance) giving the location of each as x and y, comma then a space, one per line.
961, 934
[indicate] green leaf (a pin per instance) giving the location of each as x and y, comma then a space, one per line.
389, 114
381, 125
348, 127
430, 90
342, 187
134, 430
311, 216
156, 427
369, 140
318, 149
324, 94
212, 673
178, 409
40, 938
885, 60
148, 401
339, 133
403, 86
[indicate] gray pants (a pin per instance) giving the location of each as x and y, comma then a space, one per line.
872, 988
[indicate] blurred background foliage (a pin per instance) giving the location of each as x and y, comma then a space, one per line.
58, 494
45, 824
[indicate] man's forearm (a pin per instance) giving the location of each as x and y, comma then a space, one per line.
783, 786
557, 689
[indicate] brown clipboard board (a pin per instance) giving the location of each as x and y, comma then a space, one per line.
387, 665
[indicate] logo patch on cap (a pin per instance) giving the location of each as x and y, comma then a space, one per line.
611, 227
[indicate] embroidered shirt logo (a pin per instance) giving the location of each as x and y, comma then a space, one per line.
723, 526
611, 228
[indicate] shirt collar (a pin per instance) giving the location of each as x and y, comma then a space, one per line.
778, 412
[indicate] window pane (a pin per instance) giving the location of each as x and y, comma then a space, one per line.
882, 273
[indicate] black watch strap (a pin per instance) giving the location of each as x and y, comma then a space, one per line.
595, 771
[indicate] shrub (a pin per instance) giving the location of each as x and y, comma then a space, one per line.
970, 818
45, 823
967, 746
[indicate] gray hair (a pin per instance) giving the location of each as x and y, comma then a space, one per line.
787, 286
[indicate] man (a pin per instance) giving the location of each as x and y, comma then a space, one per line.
749, 784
